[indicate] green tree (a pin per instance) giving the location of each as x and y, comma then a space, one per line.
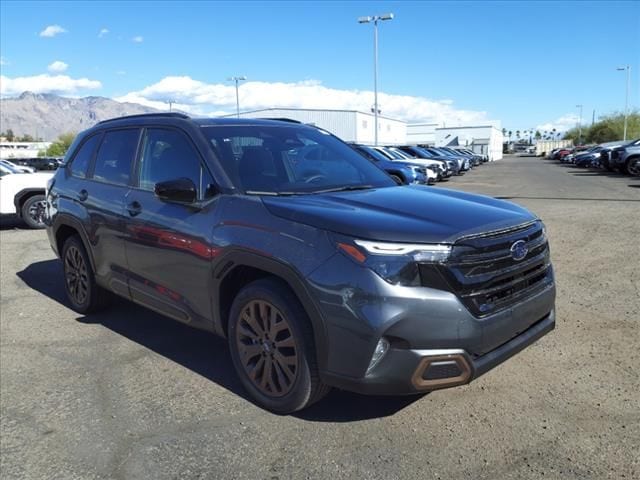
61, 145
10, 136
538, 135
600, 132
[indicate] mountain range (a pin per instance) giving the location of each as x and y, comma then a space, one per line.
45, 115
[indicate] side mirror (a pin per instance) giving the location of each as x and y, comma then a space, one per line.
181, 190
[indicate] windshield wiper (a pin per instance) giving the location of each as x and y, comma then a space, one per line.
275, 194
345, 188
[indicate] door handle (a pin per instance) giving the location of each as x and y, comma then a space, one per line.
134, 208
83, 195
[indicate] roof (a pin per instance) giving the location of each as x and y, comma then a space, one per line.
199, 121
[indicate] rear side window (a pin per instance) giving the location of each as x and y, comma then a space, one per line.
115, 156
82, 159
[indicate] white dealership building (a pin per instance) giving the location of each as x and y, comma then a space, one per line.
358, 127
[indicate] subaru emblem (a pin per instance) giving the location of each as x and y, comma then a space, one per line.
519, 250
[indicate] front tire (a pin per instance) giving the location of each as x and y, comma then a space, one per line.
84, 294
272, 347
33, 210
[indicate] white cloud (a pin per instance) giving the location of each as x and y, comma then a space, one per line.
561, 124
52, 31
121, 72
3, 61
137, 39
45, 83
103, 32
202, 98
57, 67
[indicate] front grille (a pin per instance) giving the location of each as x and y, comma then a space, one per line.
483, 274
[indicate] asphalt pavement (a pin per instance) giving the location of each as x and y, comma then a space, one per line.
128, 394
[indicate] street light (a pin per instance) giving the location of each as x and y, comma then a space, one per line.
375, 19
580, 125
626, 99
236, 80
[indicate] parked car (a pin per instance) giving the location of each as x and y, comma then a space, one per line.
589, 158
19, 168
396, 155
318, 269
23, 195
460, 165
474, 159
41, 163
401, 172
605, 154
450, 166
621, 157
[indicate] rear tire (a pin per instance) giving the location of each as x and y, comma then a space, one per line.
272, 347
84, 294
33, 210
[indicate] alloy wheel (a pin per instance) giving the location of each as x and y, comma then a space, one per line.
36, 211
267, 348
76, 275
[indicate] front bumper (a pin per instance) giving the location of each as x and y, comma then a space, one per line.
411, 371
359, 308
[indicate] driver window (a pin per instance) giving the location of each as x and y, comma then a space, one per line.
168, 155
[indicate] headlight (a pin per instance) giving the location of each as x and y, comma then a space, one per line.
396, 263
433, 253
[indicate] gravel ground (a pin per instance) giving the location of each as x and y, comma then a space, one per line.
127, 394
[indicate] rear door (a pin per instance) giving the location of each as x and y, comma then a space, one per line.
102, 195
168, 244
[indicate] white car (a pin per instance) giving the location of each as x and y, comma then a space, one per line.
23, 194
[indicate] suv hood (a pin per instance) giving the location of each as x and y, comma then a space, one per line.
414, 214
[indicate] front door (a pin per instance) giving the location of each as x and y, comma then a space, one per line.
168, 244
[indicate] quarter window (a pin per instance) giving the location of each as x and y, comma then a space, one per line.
113, 163
168, 155
80, 162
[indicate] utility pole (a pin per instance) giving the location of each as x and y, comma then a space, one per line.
237, 80
375, 19
626, 99
580, 125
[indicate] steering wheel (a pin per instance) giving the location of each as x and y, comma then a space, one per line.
313, 178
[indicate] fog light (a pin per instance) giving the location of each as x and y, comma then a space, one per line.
381, 349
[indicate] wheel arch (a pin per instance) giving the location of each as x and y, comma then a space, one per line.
239, 268
66, 226
23, 195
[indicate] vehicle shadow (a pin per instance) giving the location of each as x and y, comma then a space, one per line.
11, 223
595, 173
201, 352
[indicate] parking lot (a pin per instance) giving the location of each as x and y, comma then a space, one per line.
128, 394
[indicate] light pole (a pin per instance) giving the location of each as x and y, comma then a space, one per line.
236, 80
375, 19
579, 125
626, 98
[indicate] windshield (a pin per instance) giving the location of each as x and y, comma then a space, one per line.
290, 159
10, 167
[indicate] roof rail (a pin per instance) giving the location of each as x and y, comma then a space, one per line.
284, 119
147, 115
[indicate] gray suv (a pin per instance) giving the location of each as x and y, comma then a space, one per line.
315, 265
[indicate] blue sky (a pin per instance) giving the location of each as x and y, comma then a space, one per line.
526, 64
